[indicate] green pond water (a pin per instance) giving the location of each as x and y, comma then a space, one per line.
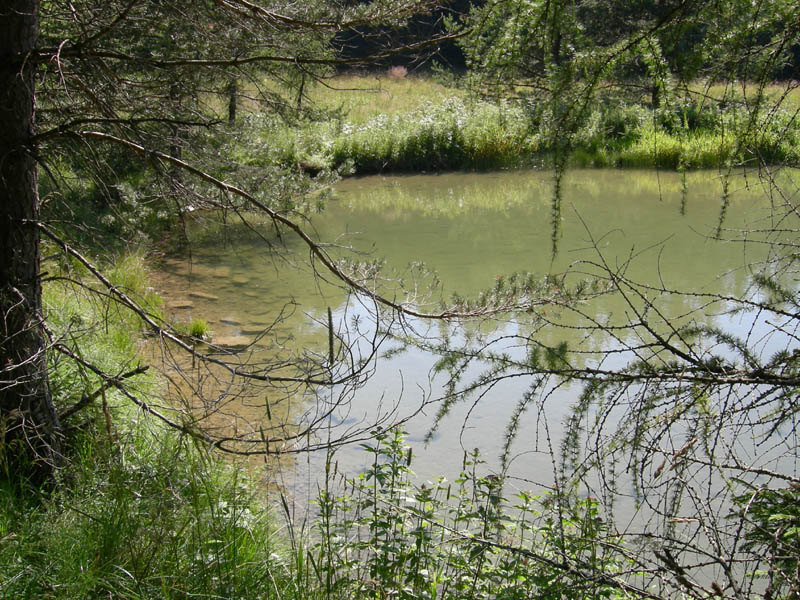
469, 229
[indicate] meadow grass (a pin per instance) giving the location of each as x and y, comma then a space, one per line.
361, 98
372, 124
786, 94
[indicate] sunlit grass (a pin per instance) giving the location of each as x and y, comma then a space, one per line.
141, 511
360, 124
786, 95
361, 98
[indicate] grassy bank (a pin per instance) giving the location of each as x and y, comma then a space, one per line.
143, 512
139, 511
379, 124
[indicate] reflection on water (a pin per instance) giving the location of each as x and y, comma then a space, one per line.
469, 229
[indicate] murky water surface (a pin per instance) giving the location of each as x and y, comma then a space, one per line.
469, 229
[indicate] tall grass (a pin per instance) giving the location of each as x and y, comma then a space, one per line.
160, 521
419, 125
139, 511
453, 134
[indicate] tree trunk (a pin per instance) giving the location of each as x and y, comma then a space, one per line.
232, 90
29, 427
655, 94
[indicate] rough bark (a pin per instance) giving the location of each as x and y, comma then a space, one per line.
232, 91
29, 427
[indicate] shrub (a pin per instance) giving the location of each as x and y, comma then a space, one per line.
383, 536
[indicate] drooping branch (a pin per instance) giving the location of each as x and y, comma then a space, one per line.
45, 55
87, 399
165, 333
317, 250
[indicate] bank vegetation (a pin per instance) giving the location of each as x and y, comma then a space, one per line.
123, 121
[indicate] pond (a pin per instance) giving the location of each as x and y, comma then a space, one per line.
469, 230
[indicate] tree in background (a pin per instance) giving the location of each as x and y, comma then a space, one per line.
364, 42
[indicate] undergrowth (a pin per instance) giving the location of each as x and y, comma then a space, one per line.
138, 511
381, 535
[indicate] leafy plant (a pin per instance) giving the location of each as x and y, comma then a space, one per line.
771, 518
386, 536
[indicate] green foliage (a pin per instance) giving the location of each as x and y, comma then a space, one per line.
383, 536
106, 204
452, 134
146, 514
139, 511
198, 328
446, 132
771, 519
98, 330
